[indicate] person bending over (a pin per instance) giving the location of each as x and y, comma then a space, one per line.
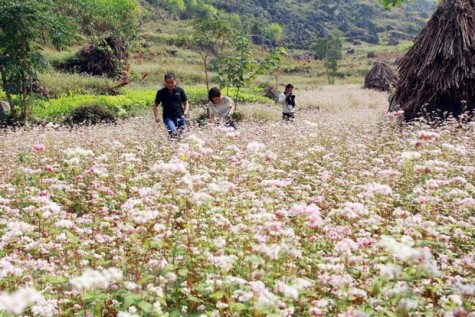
220, 107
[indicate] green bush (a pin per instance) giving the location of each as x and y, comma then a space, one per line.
91, 114
129, 103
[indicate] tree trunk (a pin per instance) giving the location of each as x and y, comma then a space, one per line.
23, 97
237, 97
7, 91
204, 57
205, 63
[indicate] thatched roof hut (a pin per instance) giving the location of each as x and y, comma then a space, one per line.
105, 57
437, 75
381, 77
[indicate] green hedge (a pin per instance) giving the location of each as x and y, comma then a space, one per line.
129, 103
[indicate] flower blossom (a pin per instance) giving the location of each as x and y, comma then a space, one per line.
38, 147
16, 302
96, 279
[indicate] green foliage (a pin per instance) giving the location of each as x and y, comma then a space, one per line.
328, 49
210, 37
274, 32
189, 9
240, 69
130, 103
92, 114
391, 3
109, 16
25, 25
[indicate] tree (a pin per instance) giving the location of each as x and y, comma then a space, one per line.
209, 38
24, 26
391, 3
274, 33
99, 17
329, 50
240, 69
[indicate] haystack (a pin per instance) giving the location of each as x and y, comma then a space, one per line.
106, 57
381, 77
437, 75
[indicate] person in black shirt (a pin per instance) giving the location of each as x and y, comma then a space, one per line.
174, 104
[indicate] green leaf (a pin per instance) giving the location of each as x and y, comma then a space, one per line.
153, 243
55, 279
217, 295
183, 272
71, 237
238, 307
175, 313
179, 251
193, 299
145, 306
130, 299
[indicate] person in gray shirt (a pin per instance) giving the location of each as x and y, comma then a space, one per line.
220, 107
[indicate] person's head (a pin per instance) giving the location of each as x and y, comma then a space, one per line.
214, 94
289, 88
392, 89
170, 80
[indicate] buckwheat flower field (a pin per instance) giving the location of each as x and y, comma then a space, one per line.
344, 212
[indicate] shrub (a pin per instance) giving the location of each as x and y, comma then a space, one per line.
91, 114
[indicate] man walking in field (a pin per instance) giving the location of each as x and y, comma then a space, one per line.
174, 105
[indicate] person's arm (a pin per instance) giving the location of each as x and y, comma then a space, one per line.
231, 109
186, 104
282, 98
155, 111
187, 107
211, 116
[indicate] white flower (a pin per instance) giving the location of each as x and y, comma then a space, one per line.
17, 301
45, 308
390, 271
255, 147
96, 279
410, 156
407, 304
77, 152
375, 188
202, 198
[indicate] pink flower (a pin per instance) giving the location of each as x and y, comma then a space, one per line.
428, 135
38, 147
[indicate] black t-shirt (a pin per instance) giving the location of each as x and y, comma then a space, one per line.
172, 101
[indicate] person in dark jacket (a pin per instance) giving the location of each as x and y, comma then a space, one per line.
174, 105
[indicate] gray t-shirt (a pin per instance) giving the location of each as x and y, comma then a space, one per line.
223, 109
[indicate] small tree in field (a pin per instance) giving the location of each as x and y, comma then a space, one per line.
240, 69
24, 26
209, 38
328, 49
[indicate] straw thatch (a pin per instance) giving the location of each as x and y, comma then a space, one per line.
381, 77
437, 75
106, 57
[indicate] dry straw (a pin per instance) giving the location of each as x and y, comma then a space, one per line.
437, 75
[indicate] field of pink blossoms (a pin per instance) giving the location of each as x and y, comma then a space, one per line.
343, 213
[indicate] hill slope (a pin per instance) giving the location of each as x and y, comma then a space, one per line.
358, 20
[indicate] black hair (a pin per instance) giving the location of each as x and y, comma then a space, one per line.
214, 92
289, 86
169, 76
